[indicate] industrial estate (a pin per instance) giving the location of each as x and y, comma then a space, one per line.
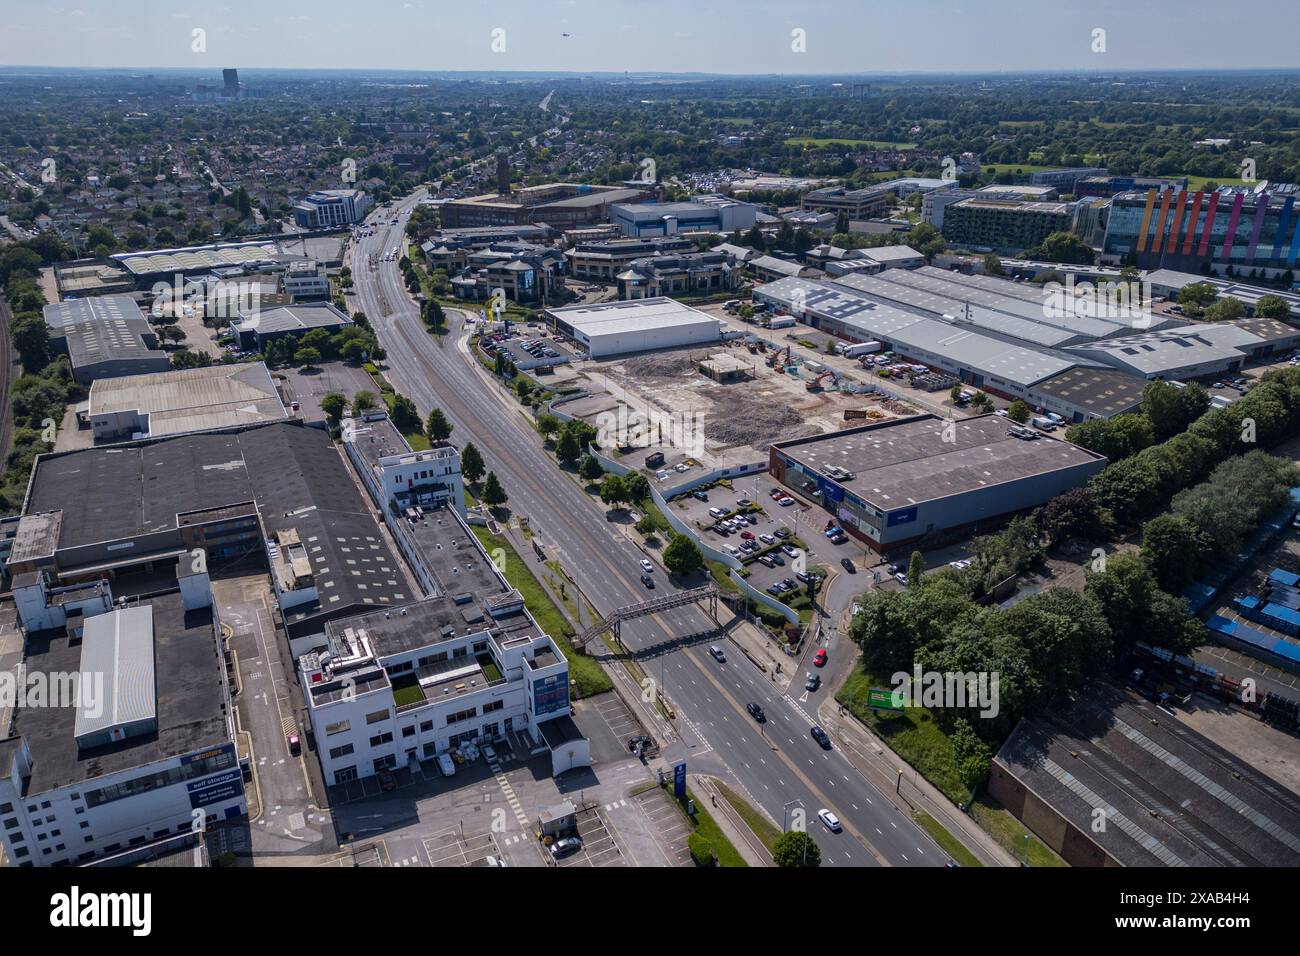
803, 497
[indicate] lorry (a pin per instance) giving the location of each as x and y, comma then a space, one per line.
859, 348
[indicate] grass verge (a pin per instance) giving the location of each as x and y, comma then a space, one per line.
998, 822
708, 828
586, 674
766, 831
947, 842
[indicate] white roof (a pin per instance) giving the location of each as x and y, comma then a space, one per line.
1168, 350
117, 647
635, 315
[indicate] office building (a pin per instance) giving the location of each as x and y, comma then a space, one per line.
305, 281
561, 205
605, 259
328, 208
1064, 179
1107, 186
692, 273
713, 214
1004, 225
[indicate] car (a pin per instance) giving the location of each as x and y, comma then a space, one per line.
295, 743
829, 820
775, 494
747, 535
648, 581
819, 659
960, 564
751, 518
446, 765
756, 712
847, 565
774, 590
489, 752
743, 502
901, 578
803, 576
782, 532
387, 781
789, 551
833, 530
639, 743
718, 656
786, 502
813, 682
767, 539
717, 513
565, 846
840, 538
821, 737
1001, 413
494, 861
777, 558
646, 566
766, 561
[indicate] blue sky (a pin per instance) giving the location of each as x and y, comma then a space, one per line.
719, 36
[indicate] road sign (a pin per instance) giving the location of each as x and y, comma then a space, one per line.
879, 699
679, 779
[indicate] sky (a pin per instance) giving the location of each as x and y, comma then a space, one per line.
661, 36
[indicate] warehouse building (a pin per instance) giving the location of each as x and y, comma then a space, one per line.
1168, 796
701, 214
141, 745
104, 336
639, 325
404, 684
1083, 393
1167, 283
254, 328
183, 400
894, 484
1192, 351
279, 489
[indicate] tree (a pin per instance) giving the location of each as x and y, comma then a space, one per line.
637, 486
590, 468
1173, 547
567, 448
471, 463
1172, 409
954, 393
1195, 297
842, 221
493, 494
992, 265
547, 425
362, 401
306, 358
1117, 438
1136, 609
1063, 247
31, 337
612, 490
682, 556
1272, 307
796, 849
436, 426
1071, 514
333, 404
1227, 309
915, 569
1018, 412
405, 416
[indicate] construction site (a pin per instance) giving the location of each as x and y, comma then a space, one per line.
734, 398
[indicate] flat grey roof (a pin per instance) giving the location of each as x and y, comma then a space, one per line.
994, 357
293, 318
194, 399
1166, 350
906, 462
98, 308
191, 703
832, 301
1102, 391
117, 647
1172, 797
290, 473
634, 315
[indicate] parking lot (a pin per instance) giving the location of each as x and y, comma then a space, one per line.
452, 848
667, 823
545, 350
600, 847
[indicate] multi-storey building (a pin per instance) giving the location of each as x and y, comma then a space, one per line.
1004, 225
331, 207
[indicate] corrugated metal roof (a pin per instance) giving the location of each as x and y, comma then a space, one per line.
117, 659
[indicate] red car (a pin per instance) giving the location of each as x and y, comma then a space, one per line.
819, 659
747, 535
387, 781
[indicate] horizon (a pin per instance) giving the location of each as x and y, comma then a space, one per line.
608, 38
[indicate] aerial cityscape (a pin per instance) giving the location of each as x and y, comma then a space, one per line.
569, 444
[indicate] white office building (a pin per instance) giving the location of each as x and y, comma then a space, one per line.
331, 207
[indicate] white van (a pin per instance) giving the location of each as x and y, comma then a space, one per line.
446, 765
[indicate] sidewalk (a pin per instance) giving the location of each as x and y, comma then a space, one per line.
735, 829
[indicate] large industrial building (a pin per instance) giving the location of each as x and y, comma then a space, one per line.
1193, 351
1167, 283
639, 325
104, 336
1168, 795
1245, 228
893, 484
562, 205
183, 400
278, 489
700, 214
254, 328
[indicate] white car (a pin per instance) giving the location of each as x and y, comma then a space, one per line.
646, 566
489, 752
831, 821
786, 502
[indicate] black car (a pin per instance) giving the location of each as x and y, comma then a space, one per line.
848, 566
820, 736
699, 496
648, 581
812, 683
781, 533
756, 712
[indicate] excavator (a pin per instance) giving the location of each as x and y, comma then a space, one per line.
776, 363
816, 384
